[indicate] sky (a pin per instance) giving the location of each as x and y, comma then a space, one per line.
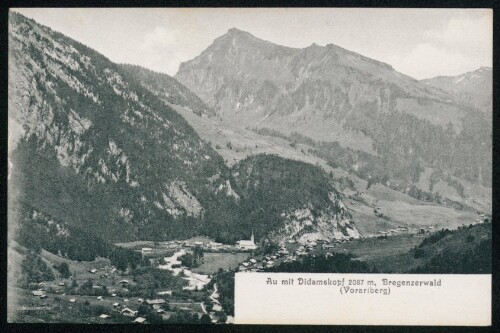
422, 43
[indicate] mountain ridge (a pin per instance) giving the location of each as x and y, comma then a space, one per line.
336, 96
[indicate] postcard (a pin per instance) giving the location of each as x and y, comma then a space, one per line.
250, 166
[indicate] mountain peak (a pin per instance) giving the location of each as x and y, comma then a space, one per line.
234, 30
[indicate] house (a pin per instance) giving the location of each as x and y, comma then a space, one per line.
160, 311
62, 284
128, 312
124, 283
115, 305
157, 301
113, 295
43, 296
72, 300
245, 264
38, 292
93, 271
247, 244
140, 320
253, 261
165, 293
146, 250
104, 316
99, 298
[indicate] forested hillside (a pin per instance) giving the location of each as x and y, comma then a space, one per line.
91, 146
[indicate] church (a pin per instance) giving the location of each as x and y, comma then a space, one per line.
247, 244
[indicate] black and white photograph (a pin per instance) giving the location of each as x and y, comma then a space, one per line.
157, 155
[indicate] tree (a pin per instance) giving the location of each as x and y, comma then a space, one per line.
205, 319
86, 288
144, 309
198, 254
63, 269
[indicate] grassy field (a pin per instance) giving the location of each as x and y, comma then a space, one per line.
214, 261
373, 248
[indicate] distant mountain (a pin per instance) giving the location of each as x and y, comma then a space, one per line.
474, 88
97, 148
388, 127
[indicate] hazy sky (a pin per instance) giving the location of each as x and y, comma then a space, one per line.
419, 42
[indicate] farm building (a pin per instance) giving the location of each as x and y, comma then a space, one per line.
155, 301
128, 312
140, 320
38, 292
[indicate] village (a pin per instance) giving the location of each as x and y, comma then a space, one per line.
127, 296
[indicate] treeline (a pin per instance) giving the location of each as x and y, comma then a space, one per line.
466, 250
225, 284
36, 231
421, 195
35, 270
404, 146
476, 260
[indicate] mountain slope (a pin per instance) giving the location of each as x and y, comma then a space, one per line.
239, 70
474, 88
398, 125
168, 89
103, 151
